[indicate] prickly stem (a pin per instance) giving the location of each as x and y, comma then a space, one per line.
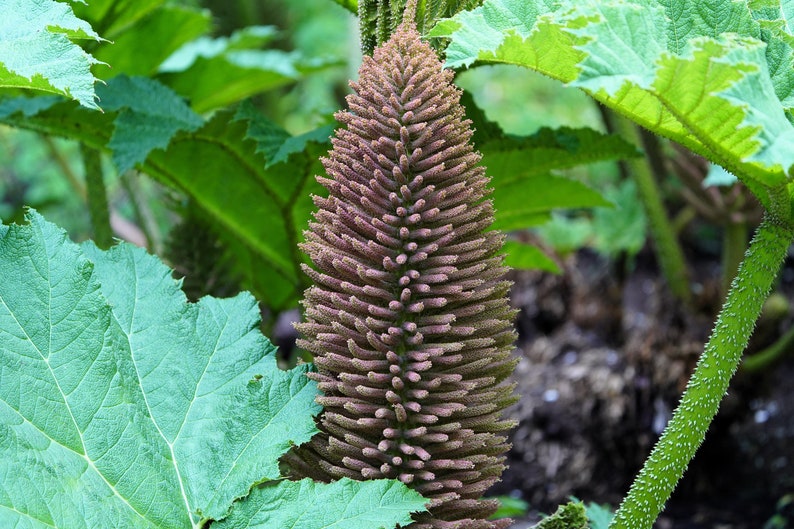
709, 382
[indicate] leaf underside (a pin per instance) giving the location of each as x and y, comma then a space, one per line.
715, 76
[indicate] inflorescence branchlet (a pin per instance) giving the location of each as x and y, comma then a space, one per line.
409, 320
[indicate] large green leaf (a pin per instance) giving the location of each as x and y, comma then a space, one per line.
219, 167
36, 49
122, 405
714, 75
157, 412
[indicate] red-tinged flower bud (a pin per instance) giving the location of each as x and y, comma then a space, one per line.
409, 319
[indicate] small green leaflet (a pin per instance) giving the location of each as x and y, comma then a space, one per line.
350, 5
122, 405
36, 49
526, 257
714, 75
214, 73
275, 143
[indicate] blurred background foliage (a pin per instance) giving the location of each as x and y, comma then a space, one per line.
318, 45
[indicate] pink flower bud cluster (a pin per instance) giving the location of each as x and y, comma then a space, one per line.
409, 320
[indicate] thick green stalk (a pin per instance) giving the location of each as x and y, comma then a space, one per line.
700, 402
96, 196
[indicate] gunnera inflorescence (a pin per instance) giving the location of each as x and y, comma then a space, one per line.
409, 321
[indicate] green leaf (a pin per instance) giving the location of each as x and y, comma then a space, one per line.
27, 106
213, 73
122, 405
600, 516
218, 166
572, 515
567, 235
525, 191
512, 158
208, 48
510, 507
344, 504
527, 202
715, 76
36, 49
149, 116
525, 257
219, 169
58, 117
624, 227
350, 5
142, 47
275, 143
718, 176
113, 17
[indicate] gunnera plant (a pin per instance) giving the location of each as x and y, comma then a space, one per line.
409, 320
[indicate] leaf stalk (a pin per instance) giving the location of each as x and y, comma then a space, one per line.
96, 197
646, 174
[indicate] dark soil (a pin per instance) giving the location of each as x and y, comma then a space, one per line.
605, 353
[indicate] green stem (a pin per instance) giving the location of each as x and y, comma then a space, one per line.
765, 358
671, 257
96, 196
64, 165
734, 244
699, 404
143, 214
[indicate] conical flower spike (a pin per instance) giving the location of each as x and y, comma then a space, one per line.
409, 320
